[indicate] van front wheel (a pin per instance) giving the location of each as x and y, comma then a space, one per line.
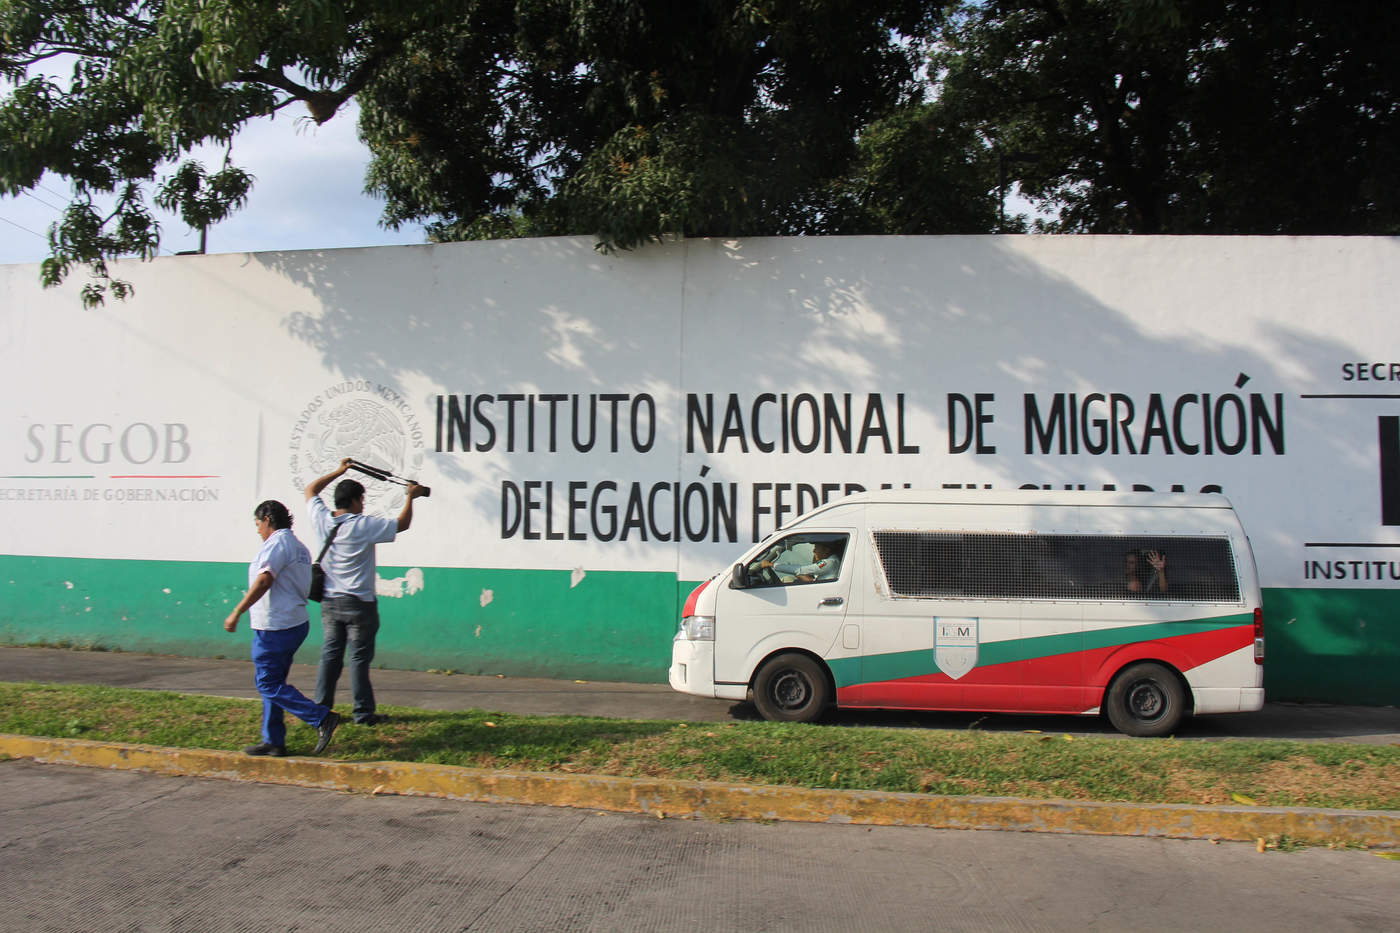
1146, 700
791, 688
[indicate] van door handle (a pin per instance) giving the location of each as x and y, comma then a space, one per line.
831, 601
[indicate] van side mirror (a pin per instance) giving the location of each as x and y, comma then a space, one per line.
739, 580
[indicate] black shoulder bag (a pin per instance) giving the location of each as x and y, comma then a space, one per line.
318, 575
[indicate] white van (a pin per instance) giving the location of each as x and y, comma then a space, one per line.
1144, 606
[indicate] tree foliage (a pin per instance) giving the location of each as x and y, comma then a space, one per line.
634, 119
143, 82
1187, 116
630, 120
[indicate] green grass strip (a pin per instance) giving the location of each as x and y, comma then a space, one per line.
935, 761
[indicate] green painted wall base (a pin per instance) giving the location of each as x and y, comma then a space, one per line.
522, 623
1331, 645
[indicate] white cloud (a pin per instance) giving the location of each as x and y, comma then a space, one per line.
308, 194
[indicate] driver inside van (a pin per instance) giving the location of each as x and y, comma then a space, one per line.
825, 565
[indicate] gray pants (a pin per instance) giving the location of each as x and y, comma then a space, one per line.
347, 620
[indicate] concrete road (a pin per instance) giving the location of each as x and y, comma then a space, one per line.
227, 677
118, 851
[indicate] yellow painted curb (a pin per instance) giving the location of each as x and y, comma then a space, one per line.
715, 800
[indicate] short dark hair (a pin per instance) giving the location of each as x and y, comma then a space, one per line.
346, 492
274, 510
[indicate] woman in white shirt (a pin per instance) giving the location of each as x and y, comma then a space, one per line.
278, 579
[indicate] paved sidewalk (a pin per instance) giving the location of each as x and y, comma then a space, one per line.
110, 851
537, 696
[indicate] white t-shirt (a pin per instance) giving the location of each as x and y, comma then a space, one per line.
350, 565
284, 605
828, 568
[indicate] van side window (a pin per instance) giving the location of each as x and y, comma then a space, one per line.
798, 559
980, 565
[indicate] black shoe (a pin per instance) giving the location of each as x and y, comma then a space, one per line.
325, 730
265, 748
373, 719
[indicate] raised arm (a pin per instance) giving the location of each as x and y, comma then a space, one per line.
313, 488
406, 513
1159, 568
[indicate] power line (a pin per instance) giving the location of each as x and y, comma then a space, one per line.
50, 191
30, 194
22, 227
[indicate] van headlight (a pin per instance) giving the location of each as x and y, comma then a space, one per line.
697, 628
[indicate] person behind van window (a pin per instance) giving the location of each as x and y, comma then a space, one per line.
793, 552
1132, 576
349, 611
825, 565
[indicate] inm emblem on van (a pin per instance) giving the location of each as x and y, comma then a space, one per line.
954, 645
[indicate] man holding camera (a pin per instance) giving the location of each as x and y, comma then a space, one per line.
349, 609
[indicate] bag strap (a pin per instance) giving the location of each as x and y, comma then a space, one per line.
329, 538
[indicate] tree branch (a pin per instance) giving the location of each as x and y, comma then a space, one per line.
57, 50
323, 103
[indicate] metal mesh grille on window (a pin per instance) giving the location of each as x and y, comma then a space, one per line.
1032, 566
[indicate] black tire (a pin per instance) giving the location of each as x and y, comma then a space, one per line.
1145, 699
791, 688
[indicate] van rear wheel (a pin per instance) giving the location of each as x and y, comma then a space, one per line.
791, 688
1146, 699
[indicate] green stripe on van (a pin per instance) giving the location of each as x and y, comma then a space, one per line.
898, 665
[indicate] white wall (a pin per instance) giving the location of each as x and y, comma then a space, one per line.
239, 377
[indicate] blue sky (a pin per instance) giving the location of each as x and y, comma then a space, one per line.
308, 195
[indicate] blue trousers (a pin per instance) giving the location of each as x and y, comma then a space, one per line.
348, 622
272, 660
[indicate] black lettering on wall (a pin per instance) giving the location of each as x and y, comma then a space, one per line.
1390, 469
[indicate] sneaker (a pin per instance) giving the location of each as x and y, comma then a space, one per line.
325, 730
267, 749
373, 719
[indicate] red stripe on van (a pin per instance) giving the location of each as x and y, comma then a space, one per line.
692, 599
1071, 682
1183, 652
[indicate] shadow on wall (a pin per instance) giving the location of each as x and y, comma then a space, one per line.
487, 318
923, 316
